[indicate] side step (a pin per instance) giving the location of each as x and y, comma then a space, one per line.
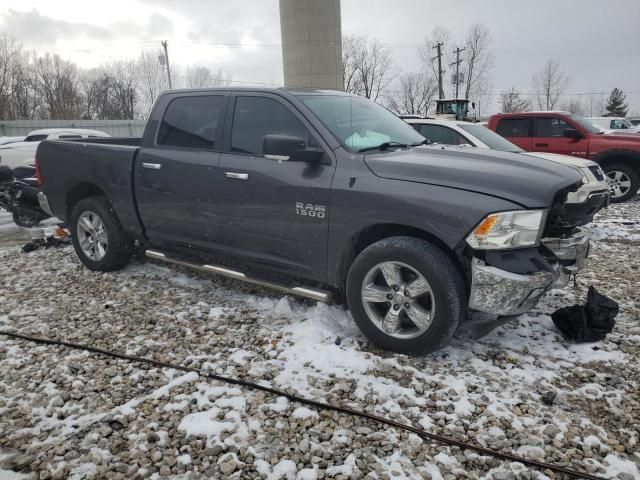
318, 295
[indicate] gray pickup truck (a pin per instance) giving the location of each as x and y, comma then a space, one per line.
325, 195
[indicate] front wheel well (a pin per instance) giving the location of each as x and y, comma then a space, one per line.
81, 191
374, 233
622, 158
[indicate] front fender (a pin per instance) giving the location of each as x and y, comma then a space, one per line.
442, 213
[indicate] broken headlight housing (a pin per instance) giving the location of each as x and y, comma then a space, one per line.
511, 229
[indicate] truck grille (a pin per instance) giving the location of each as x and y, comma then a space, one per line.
597, 172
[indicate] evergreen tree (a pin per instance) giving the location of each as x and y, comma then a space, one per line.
615, 104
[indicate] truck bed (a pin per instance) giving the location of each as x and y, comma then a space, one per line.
107, 163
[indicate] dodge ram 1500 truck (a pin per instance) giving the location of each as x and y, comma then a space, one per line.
323, 194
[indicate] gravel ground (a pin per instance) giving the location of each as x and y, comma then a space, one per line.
523, 389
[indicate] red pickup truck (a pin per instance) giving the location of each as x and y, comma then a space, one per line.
568, 134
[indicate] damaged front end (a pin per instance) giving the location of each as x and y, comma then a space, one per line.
508, 282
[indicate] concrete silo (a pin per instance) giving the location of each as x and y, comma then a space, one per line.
311, 43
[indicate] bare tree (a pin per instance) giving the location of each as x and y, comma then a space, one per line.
481, 94
152, 79
58, 81
478, 60
549, 84
414, 94
110, 91
511, 101
368, 67
427, 52
19, 96
201, 77
352, 48
574, 106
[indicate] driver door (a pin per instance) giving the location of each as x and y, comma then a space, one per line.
275, 213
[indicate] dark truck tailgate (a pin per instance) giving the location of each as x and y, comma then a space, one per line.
71, 167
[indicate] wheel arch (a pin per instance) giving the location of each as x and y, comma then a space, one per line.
623, 156
375, 232
80, 191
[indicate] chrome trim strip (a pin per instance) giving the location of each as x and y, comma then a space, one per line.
237, 176
318, 295
152, 166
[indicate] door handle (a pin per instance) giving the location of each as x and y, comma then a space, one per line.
152, 166
542, 144
237, 176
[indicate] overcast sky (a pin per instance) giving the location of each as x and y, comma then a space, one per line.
596, 42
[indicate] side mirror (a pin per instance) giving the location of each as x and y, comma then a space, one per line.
473, 105
286, 148
572, 133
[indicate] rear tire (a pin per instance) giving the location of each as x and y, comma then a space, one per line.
623, 180
400, 319
100, 241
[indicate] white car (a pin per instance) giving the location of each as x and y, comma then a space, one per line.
451, 132
19, 154
7, 140
614, 124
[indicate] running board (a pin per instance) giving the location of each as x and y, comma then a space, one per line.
318, 295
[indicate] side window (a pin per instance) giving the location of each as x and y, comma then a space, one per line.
69, 136
617, 124
255, 117
441, 134
550, 127
192, 122
513, 127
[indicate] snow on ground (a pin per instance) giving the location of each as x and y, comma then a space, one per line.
522, 388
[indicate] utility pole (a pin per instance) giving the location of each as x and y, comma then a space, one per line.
166, 59
457, 63
439, 57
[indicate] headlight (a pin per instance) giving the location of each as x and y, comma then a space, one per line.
514, 229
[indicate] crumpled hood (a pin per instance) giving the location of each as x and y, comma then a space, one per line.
530, 181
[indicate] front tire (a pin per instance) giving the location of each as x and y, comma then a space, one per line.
406, 295
623, 180
98, 237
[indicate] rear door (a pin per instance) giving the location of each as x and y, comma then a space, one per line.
176, 171
274, 213
516, 130
548, 136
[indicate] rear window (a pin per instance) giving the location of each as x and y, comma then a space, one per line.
35, 138
440, 134
513, 127
192, 122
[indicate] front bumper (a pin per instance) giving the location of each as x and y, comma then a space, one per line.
581, 213
498, 292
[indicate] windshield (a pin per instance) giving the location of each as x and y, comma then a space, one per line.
491, 139
358, 123
586, 124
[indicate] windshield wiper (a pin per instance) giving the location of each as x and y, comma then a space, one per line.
384, 146
423, 142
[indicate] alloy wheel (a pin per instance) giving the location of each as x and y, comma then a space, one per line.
398, 300
619, 183
92, 236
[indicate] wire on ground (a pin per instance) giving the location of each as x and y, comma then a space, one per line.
313, 403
